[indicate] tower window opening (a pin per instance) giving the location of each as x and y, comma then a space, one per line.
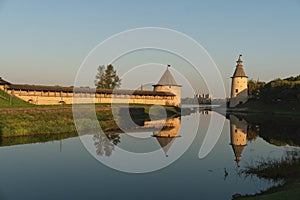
236, 90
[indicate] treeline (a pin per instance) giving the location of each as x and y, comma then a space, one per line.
287, 90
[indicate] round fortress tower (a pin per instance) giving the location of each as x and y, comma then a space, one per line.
167, 83
239, 88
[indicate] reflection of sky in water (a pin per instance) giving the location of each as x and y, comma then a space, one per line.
42, 171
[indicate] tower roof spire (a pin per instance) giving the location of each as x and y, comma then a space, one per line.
239, 70
167, 78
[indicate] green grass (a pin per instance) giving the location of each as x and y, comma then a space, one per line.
58, 122
286, 169
42, 123
24, 124
8, 101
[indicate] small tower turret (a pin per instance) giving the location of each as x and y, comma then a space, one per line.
239, 88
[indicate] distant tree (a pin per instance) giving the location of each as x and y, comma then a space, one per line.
297, 78
107, 78
282, 90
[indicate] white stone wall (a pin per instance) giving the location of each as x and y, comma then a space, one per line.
173, 89
52, 98
239, 91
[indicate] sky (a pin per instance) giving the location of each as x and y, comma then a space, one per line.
45, 42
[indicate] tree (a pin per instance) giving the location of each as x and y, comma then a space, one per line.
254, 88
107, 78
100, 77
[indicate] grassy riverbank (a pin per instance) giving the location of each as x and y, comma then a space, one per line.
8, 101
286, 169
56, 121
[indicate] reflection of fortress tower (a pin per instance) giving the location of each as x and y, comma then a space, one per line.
167, 83
238, 136
166, 136
239, 89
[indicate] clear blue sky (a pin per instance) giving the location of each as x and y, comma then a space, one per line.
44, 42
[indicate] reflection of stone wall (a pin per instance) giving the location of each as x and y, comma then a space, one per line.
169, 127
50, 98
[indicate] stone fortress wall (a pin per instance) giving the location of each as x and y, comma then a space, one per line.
166, 92
52, 98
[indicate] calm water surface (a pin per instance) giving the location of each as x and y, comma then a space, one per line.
66, 170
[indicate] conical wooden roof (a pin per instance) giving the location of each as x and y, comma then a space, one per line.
167, 79
239, 70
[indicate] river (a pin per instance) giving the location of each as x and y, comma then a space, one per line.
78, 167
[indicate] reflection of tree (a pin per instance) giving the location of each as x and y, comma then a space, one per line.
277, 130
252, 132
115, 138
105, 144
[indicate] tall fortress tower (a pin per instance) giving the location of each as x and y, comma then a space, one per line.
167, 83
239, 88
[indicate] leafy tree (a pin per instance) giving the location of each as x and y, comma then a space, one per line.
107, 78
100, 77
112, 80
254, 88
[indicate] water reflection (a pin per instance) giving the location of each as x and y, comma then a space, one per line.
244, 128
105, 144
276, 130
200, 110
238, 136
242, 132
168, 133
165, 132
